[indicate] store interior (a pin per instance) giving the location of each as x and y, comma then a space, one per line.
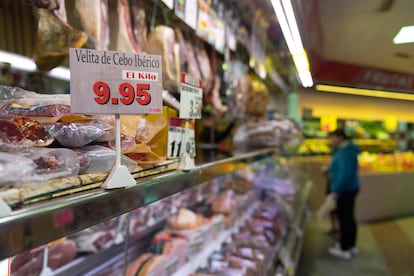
189, 137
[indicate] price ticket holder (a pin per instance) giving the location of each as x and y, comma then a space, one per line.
112, 82
191, 99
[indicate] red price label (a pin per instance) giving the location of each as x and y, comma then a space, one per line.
128, 94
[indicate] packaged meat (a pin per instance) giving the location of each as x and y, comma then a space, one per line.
31, 262
74, 135
175, 249
36, 105
162, 41
184, 220
15, 169
225, 203
54, 38
96, 238
100, 159
10, 92
34, 131
52, 162
138, 221
147, 264
94, 18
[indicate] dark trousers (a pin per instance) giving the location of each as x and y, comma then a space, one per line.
347, 223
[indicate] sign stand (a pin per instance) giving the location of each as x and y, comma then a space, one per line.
120, 176
46, 271
186, 162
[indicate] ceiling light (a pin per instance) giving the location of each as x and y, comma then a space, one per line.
365, 92
405, 35
287, 21
18, 62
26, 64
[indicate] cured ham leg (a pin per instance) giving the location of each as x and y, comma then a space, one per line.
162, 41
123, 38
54, 38
94, 19
139, 25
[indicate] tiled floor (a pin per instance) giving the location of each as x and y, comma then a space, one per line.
386, 248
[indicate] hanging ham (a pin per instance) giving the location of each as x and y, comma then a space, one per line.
54, 38
94, 18
162, 41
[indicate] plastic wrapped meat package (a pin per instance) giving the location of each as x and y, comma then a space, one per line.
98, 237
138, 132
22, 132
100, 159
30, 262
15, 169
37, 105
75, 135
138, 221
52, 162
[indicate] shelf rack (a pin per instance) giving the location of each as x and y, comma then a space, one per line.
40, 223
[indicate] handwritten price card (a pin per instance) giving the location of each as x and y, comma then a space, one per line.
191, 97
111, 82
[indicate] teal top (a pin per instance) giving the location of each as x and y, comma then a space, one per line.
343, 170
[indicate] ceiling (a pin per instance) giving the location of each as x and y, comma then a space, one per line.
361, 33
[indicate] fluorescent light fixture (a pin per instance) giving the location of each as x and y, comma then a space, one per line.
23, 63
405, 35
364, 92
60, 72
287, 21
18, 62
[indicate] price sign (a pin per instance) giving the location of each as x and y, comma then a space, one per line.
169, 3
191, 9
191, 97
180, 8
176, 139
110, 82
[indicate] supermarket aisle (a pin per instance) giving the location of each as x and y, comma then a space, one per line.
386, 248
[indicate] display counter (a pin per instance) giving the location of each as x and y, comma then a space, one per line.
383, 195
40, 223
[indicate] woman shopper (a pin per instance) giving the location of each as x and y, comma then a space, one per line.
343, 177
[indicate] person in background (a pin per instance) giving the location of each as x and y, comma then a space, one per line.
344, 184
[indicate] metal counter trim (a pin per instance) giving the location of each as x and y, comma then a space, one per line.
43, 222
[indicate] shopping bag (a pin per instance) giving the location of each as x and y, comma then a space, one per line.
327, 206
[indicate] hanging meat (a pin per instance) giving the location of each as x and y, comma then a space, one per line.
204, 65
94, 18
139, 25
54, 38
187, 57
162, 41
123, 39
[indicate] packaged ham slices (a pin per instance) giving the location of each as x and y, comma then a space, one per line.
15, 169
78, 134
100, 159
31, 262
36, 105
22, 132
52, 162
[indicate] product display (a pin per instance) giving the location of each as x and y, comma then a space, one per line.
209, 219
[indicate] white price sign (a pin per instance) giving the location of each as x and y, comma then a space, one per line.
169, 3
176, 130
191, 97
190, 16
111, 82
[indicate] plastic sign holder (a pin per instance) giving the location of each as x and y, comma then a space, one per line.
112, 82
191, 99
